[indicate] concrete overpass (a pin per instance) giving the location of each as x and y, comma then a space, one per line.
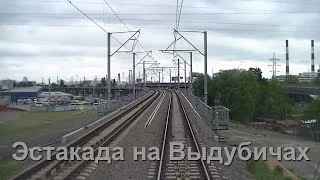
291, 89
302, 90
83, 91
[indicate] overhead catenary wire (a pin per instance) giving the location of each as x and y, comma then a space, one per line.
180, 14
168, 20
95, 23
178, 17
87, 16
174, 14
167, 5
122, 22
165, 28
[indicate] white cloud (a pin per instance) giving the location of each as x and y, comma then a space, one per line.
49, 39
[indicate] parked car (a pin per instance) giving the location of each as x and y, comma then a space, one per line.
38, 104
45, 103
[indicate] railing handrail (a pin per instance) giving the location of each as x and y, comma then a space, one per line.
102, 105
198, 99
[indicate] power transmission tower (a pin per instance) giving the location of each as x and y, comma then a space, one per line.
274, 65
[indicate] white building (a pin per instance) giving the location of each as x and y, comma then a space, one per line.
56, 97
6, 84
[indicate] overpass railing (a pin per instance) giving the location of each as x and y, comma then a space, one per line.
102, 110
217, 116
202, 109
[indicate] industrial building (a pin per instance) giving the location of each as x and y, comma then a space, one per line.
304, 76
22, 93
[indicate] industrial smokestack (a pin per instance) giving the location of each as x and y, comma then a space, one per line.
312, 56
287, 57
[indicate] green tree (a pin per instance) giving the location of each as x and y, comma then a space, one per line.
312, 112
316, 81
273, 101
242, 103
246, 93
198, 84
291, 79
257, 71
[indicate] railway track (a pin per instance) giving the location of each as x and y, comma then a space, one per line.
103, 135
179, 129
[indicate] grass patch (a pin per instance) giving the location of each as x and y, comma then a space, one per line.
269, 170
31, 123
8, 166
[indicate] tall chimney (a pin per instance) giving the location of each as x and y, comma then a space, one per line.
287, 57
312, 56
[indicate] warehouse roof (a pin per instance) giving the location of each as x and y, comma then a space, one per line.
24, 89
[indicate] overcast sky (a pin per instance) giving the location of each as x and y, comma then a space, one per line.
50, 38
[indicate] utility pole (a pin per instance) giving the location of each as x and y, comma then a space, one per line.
119, 84
185, 75
129, 76
162, 77
134, 75
49, 100
129, 81
106, 89
191, 76
178, 74
162, 74
139, 81
109, 73
94, 86
170, 78
144, 77
159, 80
205, 69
